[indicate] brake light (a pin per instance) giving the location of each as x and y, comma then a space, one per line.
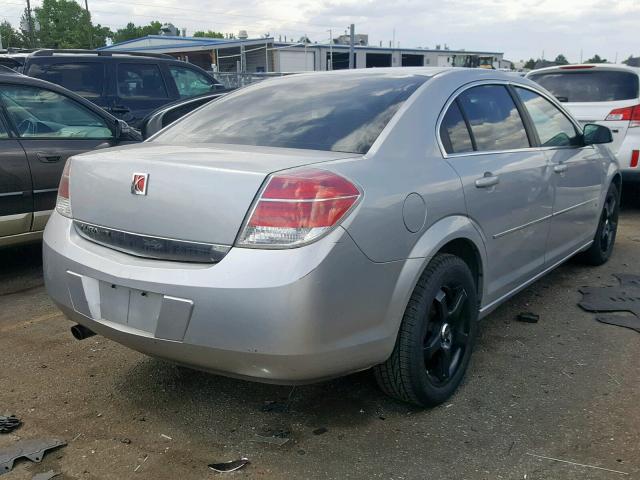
577, 67
635, 154
630, 114
63, 202
298, 207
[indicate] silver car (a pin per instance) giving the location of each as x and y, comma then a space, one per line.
321, 224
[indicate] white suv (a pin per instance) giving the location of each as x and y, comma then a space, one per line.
607, 94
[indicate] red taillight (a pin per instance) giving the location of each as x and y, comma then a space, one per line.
628, 114
298, 207
63, 202
635, 154
577, 67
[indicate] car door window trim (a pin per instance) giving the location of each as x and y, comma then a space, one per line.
454, 96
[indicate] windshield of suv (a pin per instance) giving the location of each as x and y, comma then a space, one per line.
342, 113
589, 86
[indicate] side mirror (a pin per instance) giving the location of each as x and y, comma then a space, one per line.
123, 132
595, 134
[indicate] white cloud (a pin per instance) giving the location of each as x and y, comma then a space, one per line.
520, 29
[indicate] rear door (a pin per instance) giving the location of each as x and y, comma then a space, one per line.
140, 89
577, 175
505, 181
16, 203
51, 127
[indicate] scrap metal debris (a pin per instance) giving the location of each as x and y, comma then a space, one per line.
528, 317
232, 466
9, 424
45, 475
276, 437
33, 449
622, 298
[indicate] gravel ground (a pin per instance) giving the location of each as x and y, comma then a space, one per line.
566, 387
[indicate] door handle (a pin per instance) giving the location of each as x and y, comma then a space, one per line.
48, 157
489, 180
560, 168
120, 109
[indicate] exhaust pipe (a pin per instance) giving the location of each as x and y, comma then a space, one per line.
80, 332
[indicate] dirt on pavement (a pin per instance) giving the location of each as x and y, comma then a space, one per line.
566, 387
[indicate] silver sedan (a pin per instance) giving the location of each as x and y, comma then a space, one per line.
321, 224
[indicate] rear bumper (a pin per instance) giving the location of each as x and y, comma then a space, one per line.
624, 154
278, 316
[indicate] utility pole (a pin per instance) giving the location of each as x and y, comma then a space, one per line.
352, 39
86, 7
330, 50
30, 25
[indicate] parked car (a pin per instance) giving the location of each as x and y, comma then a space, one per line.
167, 114
41, 125
605, 94
128, 85
315, 225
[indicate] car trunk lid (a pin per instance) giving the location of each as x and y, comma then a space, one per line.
195, 193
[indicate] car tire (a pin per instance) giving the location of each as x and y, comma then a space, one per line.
602, 247
436, 336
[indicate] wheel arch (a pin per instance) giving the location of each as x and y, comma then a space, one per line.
457, 235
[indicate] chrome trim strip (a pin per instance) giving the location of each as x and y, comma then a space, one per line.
546, 217
568, 209
217, 252
466, 87
11, 194
521, 227
46, 190
533, 279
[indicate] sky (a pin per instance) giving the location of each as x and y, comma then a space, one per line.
519, 28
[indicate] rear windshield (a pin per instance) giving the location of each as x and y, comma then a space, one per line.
589, 86
341, 113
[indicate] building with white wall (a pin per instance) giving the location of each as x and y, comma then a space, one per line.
267, 55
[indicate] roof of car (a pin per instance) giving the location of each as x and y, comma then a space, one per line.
589, 66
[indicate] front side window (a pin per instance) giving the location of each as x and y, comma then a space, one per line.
40, 113
494, 118
189, 82
3, 130
454, 132
140, 81
589, 85
335, 113
86, 79
553, 127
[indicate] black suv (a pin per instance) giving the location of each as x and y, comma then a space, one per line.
128, 85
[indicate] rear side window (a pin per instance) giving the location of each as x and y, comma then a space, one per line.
454, 133
553, 127
494, 118
86, 79
3, 130
140, 80
589, 85
189, 82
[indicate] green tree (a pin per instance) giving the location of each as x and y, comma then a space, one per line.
596, 59
530, 64
208, 34
65, 24
10, 37
132, 31
561, 60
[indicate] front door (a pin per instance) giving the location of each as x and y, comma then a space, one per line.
506, 184
51, 127
577, 176
16, 203
140, 89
